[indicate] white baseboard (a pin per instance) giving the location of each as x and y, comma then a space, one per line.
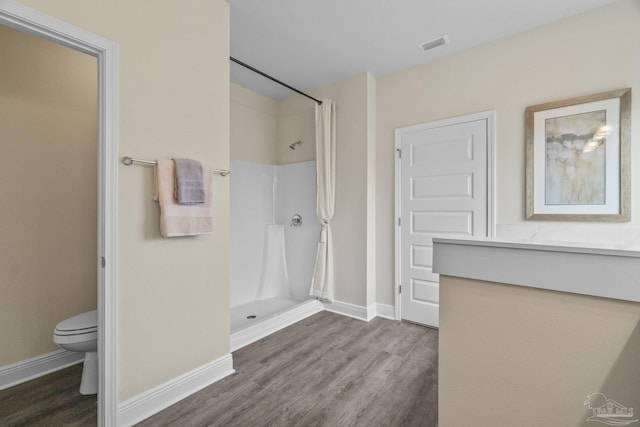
273, 324
386, 311
25, 370
161, 397
359, 312
346, 309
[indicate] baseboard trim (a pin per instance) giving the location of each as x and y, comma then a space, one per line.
273, 324
359, 312
347, 309
386, 311
371, 312
25, 370
158, 398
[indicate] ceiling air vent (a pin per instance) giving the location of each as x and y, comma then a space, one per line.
440, 41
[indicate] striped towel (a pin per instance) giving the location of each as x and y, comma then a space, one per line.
180, 220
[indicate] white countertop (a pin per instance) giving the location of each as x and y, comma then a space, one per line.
550, 245
603, 270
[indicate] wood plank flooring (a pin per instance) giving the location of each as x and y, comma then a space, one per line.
327, 370
51, 400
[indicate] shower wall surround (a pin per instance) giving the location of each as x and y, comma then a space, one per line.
264, 194
296, 194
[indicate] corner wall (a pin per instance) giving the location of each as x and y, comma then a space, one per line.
174, 101
371, 192
589, 53
355, 116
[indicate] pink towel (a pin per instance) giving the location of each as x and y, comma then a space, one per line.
175, 219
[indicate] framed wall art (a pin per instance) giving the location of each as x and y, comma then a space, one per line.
577, 158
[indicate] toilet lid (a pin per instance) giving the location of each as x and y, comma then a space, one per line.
80, 324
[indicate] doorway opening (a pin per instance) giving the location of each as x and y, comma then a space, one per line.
22, 18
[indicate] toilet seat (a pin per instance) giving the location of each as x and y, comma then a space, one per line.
80, 328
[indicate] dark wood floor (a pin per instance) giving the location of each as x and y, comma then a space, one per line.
327, 370
52, 400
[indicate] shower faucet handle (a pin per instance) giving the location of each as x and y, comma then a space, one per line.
296, 220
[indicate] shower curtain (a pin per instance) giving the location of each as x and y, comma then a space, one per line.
322, 283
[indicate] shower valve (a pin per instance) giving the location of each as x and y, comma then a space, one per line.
296, 220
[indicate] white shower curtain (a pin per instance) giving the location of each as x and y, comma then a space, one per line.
322, 283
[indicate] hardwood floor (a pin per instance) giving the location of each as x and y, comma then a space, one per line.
327, 370
52, 400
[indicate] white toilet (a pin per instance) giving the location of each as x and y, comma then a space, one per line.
80, 333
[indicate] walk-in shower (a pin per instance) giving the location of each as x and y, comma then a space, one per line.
274, 235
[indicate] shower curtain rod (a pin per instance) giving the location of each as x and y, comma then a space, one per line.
255, 70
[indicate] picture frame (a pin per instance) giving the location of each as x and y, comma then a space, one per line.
578, 158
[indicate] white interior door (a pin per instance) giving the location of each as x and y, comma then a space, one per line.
442, 190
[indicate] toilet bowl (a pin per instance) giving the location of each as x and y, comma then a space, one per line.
80, 334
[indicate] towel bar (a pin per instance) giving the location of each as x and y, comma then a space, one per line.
128, 161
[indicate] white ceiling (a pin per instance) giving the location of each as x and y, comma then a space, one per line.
311, 43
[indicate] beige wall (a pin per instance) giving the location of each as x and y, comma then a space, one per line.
371, 191
513, 355
585, 54
48, 182
262, 128
254, 126
173, 297
296, 122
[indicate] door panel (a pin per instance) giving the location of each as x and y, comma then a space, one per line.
440, 152
443, 182
444, 222
442, 186
426, 291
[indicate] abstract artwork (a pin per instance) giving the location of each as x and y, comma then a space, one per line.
577, 158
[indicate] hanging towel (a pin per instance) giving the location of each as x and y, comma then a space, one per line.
181, 220
189, 182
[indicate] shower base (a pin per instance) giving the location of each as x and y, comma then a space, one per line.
271, 315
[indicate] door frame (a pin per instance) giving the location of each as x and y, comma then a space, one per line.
490, 117
20, 17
